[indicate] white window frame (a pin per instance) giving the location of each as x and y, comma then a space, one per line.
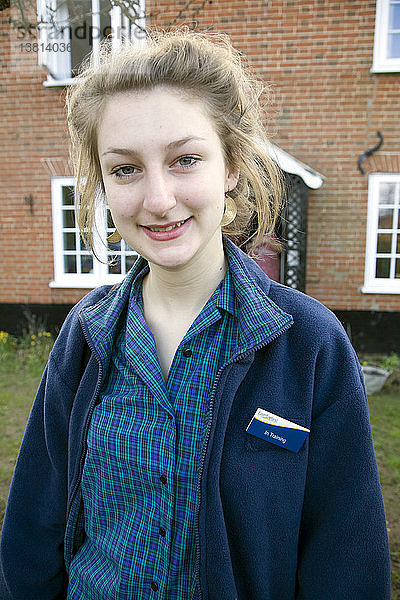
381, 62
100, 274
56, 59
373, 284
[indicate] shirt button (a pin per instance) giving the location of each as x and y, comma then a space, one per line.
162, 532
154, 586
187, 352
163, 479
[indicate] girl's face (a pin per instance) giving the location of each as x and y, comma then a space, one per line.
164, 174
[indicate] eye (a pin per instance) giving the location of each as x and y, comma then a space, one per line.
187, 161
123, 172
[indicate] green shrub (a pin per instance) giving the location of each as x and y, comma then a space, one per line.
37, 349
390, 363
28, 353
8, 344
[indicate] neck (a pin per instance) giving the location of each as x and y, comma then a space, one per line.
187, 289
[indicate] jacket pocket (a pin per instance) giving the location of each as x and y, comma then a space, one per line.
255, 444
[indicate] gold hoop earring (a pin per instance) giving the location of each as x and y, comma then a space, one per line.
230, 211
114, 237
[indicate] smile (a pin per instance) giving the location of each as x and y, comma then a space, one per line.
168, 227
169, 232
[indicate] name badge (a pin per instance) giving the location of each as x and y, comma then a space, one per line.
279, 431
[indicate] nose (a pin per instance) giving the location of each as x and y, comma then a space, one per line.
159, 197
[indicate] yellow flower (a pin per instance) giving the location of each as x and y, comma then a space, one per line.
33, 343
33, 337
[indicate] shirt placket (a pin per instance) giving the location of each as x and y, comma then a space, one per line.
144, 360
187, 352
164, 519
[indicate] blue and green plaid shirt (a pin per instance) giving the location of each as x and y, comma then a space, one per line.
144, 445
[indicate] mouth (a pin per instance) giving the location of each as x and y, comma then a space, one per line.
168, 227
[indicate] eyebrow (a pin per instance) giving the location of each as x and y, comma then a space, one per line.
171, 146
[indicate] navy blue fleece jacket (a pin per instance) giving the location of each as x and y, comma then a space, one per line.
272, 524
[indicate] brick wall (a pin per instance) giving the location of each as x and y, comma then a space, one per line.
328, 107
33, 127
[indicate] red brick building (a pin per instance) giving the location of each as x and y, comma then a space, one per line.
335, 72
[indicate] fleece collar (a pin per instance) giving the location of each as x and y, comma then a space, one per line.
261, 320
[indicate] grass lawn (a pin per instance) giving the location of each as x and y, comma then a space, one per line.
20, 374
385, 419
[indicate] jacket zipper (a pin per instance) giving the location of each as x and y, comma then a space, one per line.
89, 417
206, 440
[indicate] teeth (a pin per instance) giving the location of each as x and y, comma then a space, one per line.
167, 228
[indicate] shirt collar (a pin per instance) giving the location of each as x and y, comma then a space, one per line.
259, 317
244, 293
226, 297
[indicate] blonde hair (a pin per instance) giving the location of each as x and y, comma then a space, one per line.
208, 68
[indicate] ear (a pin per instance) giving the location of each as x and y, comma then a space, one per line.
232, 178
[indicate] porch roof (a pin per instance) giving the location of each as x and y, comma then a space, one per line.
290, 164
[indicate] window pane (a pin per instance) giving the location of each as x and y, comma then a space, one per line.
397, 272
105, 18
67, 195
86, 264
80, 20
385, 218
69, 241
394, 45
68, 218
387, 193
115, 267
384, 244
382, 267
394, 16
398, 244
130, 261
84, 28
70, 264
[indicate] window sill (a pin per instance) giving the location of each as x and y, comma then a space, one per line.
85, 285
73, 285
59, 82
385, 68
371, 289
